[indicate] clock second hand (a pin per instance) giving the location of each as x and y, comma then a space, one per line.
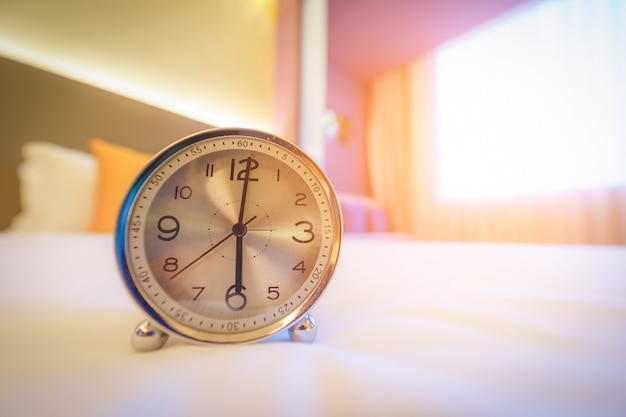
207, 252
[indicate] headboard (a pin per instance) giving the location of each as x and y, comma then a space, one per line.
36, 105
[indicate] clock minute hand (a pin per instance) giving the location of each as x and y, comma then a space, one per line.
244, 193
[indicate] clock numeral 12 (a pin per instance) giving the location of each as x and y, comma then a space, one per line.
241, 174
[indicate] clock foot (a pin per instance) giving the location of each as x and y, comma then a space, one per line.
147, 337
304, 330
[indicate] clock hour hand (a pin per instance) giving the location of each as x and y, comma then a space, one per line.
239, 261
235, 298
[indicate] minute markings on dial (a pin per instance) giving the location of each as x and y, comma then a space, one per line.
208, 251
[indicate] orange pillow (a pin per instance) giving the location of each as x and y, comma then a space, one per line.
117, 168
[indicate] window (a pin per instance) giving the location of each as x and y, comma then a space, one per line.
534, 101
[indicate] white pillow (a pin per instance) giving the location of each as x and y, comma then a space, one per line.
57, 188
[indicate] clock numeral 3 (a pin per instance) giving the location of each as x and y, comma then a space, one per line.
307, 231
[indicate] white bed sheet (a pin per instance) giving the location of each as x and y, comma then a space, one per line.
405, 329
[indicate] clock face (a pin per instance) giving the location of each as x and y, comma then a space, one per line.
229, 236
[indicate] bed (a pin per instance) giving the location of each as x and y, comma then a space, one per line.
406, 328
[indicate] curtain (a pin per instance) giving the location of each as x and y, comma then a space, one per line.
388, 153
401, 140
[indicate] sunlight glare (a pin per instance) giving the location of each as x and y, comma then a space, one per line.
534, 101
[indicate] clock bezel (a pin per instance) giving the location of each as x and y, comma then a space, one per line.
178, 327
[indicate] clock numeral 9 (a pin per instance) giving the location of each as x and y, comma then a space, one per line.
169, 228
308, 231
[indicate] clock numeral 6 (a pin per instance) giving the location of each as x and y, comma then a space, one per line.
308, 232
236, 301
169, 228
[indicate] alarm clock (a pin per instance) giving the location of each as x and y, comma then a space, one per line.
228, 236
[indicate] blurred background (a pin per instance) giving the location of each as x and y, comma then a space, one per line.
481, 120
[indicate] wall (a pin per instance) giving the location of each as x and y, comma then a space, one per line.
346, 159
218, 62
40, 106
212, 61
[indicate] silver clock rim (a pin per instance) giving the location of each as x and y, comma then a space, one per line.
178, 328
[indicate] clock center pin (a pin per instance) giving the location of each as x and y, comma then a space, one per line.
240, 229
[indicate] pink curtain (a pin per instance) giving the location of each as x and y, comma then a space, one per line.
401, 144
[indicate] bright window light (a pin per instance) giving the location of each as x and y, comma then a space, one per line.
534, 101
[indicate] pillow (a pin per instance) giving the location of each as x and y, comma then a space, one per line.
56, 189
117, 168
